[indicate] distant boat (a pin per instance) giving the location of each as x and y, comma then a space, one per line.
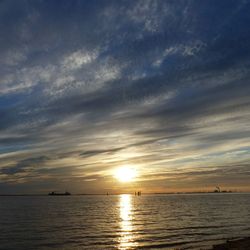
138, 193
55, 193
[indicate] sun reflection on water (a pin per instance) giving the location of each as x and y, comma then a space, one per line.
126, 240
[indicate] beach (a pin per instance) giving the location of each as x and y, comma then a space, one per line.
240, 244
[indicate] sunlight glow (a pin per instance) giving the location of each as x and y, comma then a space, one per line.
125, 174
127, 240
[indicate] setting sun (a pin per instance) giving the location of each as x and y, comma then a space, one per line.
125, 174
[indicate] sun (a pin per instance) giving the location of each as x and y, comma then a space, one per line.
125, 174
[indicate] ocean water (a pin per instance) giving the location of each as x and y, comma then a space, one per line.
190, 221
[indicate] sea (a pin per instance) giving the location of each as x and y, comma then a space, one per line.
174, 221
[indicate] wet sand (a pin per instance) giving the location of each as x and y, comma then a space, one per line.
241, 244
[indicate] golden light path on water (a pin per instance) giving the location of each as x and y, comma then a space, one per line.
126, 240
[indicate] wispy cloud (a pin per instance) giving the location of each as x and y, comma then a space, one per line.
86, 87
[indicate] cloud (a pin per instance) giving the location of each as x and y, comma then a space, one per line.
87, 87
78, 58
25, 165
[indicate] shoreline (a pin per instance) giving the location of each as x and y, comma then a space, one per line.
233, 244
115, 194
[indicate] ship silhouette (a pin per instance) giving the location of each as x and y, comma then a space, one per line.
56, 193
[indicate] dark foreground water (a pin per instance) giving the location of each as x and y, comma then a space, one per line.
122, 221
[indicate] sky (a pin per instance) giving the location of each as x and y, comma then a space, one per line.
161, 87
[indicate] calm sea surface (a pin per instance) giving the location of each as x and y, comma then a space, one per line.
122, 221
